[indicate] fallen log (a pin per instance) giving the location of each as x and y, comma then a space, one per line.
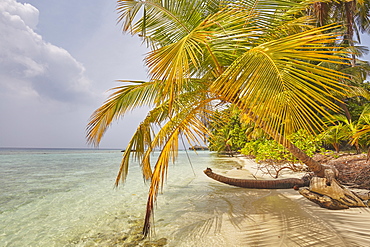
287, 183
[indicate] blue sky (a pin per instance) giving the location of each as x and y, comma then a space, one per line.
58, 59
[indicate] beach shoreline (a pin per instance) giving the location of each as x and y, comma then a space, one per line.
80, 208
290, 212
248, 168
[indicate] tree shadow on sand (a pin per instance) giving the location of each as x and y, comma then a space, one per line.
227, 216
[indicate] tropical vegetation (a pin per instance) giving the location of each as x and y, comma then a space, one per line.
274, 157
265, 58
228, 133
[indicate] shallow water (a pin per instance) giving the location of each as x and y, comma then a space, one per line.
66, 198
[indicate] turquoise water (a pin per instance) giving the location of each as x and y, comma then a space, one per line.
66, 197
53, 197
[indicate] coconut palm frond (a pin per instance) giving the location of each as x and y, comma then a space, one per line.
141, 142
288, 27
145, 139
122, 100
358, 91
359, 71
163, 22
186, 122
158, 176
365, 115
364, 125
269, 80
128, 11
270, 9
362, 132
174, 63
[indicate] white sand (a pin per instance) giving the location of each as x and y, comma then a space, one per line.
250, 169
262, 217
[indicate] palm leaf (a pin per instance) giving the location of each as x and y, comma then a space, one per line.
163, 22
145, 139
186, 122
269, 81
141, 143
124, 99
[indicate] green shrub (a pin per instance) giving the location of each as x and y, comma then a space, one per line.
264, 149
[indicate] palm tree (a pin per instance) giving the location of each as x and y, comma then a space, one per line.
354, 19
335, 135
228, 133
360, 136
353, 15
252, 54
353, 132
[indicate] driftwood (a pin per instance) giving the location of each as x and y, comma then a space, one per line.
363, 194
321, 200
331, 196
335, 191
326, 192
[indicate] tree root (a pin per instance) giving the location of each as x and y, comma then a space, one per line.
328, 193
321, 200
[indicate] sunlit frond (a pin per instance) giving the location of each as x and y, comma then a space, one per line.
280, 82
124, 99
141, 143
362, 132
146, 139
164, 22
187, 122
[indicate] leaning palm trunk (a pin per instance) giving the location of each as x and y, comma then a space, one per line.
332, 196
326, 192
316, 167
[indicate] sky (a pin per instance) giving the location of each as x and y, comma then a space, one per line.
58, 59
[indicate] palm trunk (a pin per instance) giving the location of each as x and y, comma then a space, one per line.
336, 147
287, 183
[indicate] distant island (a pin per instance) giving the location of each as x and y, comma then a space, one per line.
196, 147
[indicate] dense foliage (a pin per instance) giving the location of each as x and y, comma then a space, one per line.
269, 150
228, 133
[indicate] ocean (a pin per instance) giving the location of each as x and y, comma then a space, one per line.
66, 197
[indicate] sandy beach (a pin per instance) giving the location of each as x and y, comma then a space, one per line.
284, 218
248, 168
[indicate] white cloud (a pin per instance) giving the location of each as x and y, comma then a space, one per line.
28, 63
45, 96
25, 13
